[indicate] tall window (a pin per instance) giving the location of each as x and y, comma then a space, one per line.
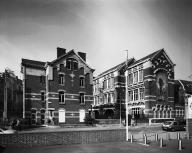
75, 65
141, 93
108, 83
135, 77
130, 95
61, 66
108, 98
105, 98
136, 94
81, 98
42, 79
61, 97
61, 79
130, 78
68, 64
140, 75
112, 97
105, 84
112, 82
82, 82
42, 96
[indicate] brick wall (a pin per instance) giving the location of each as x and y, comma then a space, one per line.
67, 137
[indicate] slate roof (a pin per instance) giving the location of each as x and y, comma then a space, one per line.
72, 51
150, 56
40, 64
33, 63
116, 67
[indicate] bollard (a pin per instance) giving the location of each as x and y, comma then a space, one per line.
161, 142
131, 138
156, 137
145, 140
178, 136
180, 145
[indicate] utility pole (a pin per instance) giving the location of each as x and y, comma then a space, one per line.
126, 98
120, 109
24, 75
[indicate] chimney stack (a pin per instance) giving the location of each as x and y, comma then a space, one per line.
60, 52
82, 55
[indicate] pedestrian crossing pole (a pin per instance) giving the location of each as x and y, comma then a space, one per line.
126, 98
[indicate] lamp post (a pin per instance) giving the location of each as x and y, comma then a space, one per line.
120, 109
126, 99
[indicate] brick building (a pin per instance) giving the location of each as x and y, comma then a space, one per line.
150, 87
109, 92
59, 91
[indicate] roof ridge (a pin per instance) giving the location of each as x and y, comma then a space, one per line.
114, 67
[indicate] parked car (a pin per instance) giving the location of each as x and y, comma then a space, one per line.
174, 125
7, 131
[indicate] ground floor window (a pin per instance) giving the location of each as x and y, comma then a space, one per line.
62, 116
81, 115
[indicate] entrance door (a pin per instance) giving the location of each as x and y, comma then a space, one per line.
62, 116
81, 115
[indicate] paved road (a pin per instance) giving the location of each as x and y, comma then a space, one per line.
113, 147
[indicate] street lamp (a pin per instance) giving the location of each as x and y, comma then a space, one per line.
126, 98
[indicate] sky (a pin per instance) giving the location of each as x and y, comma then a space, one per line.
103, 29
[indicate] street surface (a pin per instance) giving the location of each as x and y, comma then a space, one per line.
112, 147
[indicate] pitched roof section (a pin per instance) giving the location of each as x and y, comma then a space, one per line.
65, 55
150, 56
187, 85
117, 67
32, 63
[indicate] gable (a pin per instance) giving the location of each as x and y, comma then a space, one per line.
161, 61
73, 56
